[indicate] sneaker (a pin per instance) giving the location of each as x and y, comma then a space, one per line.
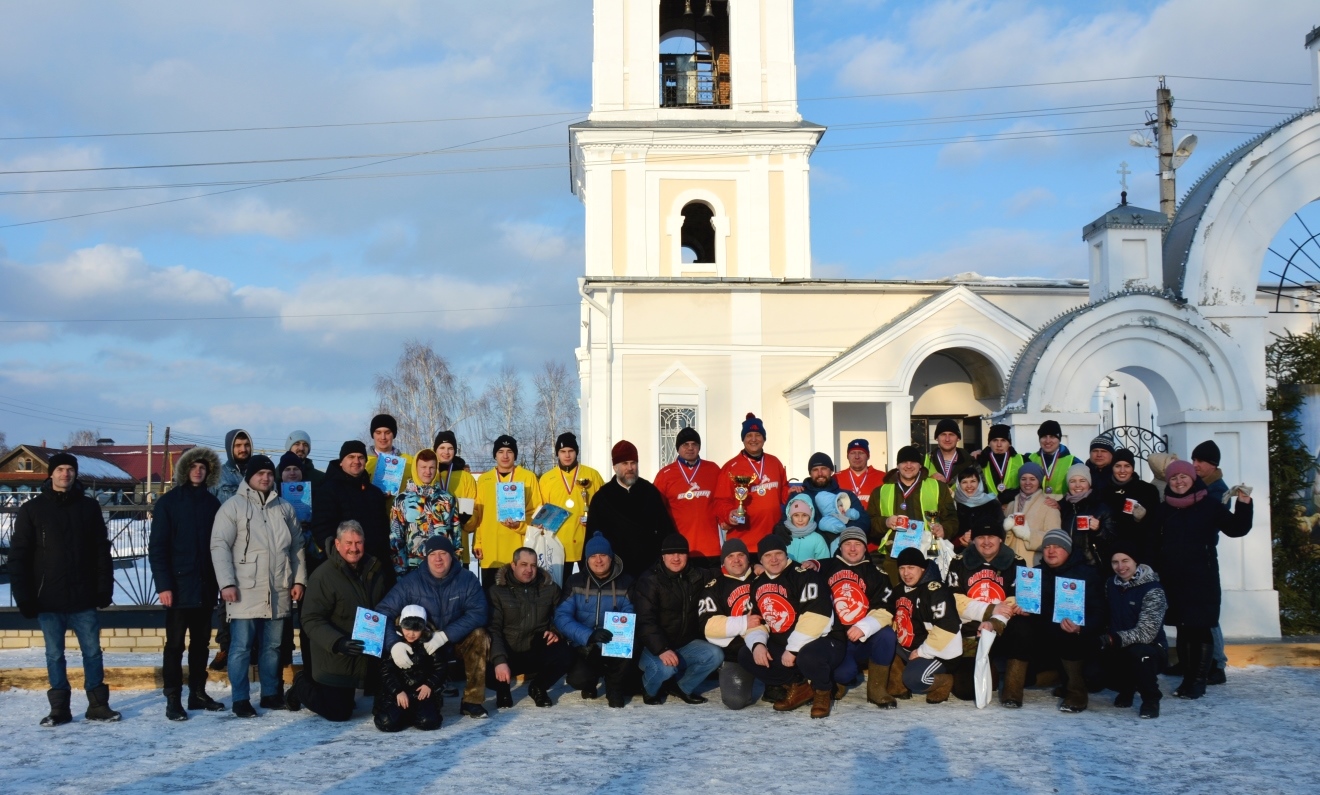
471, 710
243, 709
658, 698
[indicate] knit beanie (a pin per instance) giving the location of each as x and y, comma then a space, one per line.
384, 421
1102, 443
1179, 468
502, 441
443, 437
674, 543
752, 423
1076, 471
911, 556
1000, 432
256, 464
1208, 452
63, 460
566, 440
910, 454
771, 543
1049, 428
1057, 538
1033, 469
289, 459
439, 542
352, 446
1125, 456
852, 534
947, 426
731, 546
597, 545
988, 529
686, 435
819, 460
297, 436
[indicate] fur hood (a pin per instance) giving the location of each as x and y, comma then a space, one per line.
191, 456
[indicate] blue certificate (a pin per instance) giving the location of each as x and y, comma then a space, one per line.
388, 476
1070, 601
549, 517
907, 537
624, 627
369, 627
299, 495
510, 504
1027, 589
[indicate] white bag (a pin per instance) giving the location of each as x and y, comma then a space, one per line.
549, 552
985, 687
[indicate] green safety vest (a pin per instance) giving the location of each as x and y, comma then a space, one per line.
1015, 463
1056, 483
929, 500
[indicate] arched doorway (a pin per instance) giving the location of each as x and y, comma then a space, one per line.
959, 384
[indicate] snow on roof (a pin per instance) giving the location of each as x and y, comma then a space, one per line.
97, 469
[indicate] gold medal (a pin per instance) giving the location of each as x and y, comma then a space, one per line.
568, 503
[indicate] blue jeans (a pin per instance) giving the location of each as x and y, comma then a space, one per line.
87, 627
243, 633
695, 661
878, 649
1221, 657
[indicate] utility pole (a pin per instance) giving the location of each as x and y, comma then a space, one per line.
1164, 124
168, 475
150, 433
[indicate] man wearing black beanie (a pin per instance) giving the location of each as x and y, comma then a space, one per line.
688, 487
348, 493
675, 659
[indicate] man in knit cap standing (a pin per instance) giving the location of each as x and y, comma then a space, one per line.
383, 430
1205, 459
766, 484
630, 513
570, 485
688, 486
495, 538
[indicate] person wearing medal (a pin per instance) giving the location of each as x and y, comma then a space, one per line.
688, 485
1000, 464
570, 485
909, 491
496, 541
452, 476
860, 477
767, 489
946, 459
1054, 460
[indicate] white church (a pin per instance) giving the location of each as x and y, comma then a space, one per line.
694, 167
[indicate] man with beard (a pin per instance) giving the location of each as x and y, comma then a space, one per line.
630, 513
820, 478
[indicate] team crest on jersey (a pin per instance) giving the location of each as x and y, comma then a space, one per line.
984, 586
934, 586
903, 623
777, 611
850, 602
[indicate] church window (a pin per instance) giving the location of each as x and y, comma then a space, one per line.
672, 420
698, 233
694, 54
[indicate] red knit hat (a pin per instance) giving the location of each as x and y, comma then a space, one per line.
624, 450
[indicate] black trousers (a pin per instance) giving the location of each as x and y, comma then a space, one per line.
547, 663
425, 715
332, 703
1045, 642
195, 623
587, 666
1135, 668
222, 631
815, 663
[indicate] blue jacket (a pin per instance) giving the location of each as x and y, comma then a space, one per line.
455, 604
588, 600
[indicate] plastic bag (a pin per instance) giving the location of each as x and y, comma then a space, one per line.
549, 552
985, 687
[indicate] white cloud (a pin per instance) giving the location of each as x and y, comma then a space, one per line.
250, 216
997, 252
1024, 201
535, 241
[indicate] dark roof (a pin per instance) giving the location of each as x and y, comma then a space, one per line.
1312, 36
1178, 240
132, 458
1127, 216
92, 468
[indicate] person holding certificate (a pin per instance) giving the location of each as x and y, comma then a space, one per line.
507, 496
570, 485
1072, 611
388, 468
909, 493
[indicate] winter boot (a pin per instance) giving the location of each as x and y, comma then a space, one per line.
174, 704
774, 693
539, 697
877, 678
1217, 676
1195, 671
821, 702
1075, 696
197, 699
895, 686
243, 709
275, 701
98, 705
1150, 704
221, 661
799, 693
503, 696
839, 691
939, 691
1015, 679
59, 709
590, 693
1124, 699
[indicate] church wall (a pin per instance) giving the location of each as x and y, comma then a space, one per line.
860, 421
829, 318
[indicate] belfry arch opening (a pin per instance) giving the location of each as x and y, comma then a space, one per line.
694, 54
698, 235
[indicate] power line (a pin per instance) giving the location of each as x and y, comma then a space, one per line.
281, 317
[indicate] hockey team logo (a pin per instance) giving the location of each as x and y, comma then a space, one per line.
903, 623
740, 601
850, 602
778, 612
987, 591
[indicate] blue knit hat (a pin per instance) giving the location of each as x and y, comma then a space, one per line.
597, 545
752, 423
1032, 468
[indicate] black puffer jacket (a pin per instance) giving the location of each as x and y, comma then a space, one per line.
634, 520
1188, 560
339, 498
1095, 607
1142, 535
519, 613
180, 546
1089, 546
59, 554
666, 604
334, 593
427, 669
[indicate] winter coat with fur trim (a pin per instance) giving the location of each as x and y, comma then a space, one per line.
180, 546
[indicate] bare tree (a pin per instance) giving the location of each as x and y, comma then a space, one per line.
556, 411
425, 396
83, 438
4, 448
504, 410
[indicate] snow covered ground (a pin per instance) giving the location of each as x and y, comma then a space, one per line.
1256, 734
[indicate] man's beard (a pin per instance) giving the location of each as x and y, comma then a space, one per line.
627, 481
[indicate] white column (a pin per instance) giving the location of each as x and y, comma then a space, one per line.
898, 426
822, 430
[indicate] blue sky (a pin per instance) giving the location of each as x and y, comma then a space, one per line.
502, 237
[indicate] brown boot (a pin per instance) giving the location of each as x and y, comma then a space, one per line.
1015, 678
798, 694
877, 680
840, 690
895, 686
939, 692
821, 701
1074, 696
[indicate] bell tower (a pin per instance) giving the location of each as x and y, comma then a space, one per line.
694, 160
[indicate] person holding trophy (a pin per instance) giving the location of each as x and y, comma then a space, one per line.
752, 489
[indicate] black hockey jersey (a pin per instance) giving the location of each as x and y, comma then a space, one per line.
925, 616
722, 610
859, 593
796, 608
978, 585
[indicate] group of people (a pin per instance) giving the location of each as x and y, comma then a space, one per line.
811, 587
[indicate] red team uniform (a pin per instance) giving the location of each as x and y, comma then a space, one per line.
689, 491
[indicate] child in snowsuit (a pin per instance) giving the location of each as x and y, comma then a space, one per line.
411, 696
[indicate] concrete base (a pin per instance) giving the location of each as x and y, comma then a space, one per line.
123, 678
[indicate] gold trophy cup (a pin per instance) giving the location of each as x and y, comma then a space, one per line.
584, 483
741, 492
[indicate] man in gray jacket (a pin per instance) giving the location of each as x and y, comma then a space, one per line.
257, 550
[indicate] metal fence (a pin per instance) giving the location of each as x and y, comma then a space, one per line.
129, 527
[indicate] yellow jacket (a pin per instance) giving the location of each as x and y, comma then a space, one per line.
495, 541
462, 486
553, 492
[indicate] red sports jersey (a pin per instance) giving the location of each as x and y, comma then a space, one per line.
689, 492
765, 500
862, 486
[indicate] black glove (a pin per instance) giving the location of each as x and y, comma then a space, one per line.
349, 647
106, 601
601, 636
28, 609
1109, 640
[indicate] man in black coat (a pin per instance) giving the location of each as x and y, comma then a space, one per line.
631, 513
675, 657
348, 493
180, 555
522, 632
60, 572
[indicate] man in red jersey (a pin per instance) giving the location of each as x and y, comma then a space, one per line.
767, 490
860, 477
688, 486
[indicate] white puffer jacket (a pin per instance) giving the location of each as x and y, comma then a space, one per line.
256, 546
